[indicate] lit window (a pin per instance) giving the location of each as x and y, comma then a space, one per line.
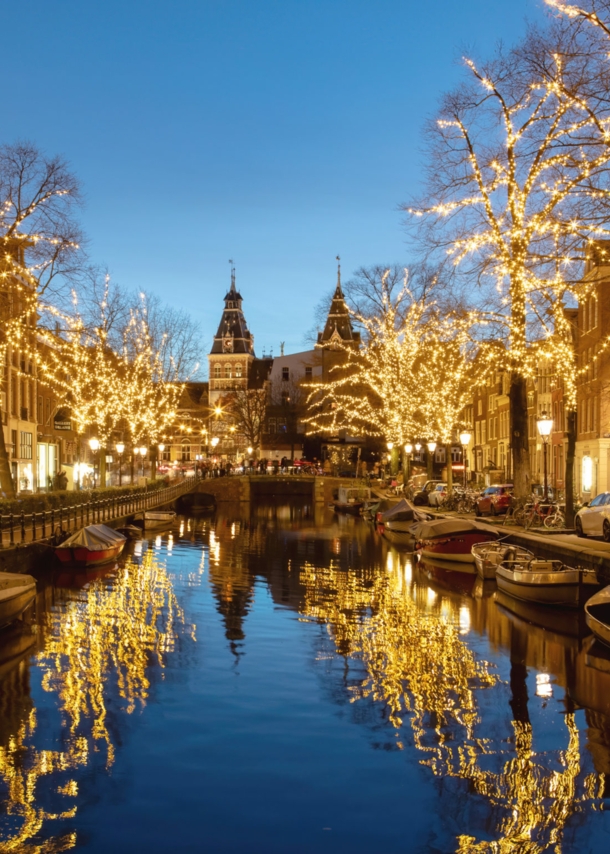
238, 370
587, 474
217, 373
227, 372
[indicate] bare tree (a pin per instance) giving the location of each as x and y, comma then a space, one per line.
248, 408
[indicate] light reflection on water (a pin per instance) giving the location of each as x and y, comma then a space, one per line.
504, 706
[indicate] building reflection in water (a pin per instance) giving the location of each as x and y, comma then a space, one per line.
108, 641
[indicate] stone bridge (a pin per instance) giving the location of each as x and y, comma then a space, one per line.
251, 487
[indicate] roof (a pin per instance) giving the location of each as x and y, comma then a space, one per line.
233, 335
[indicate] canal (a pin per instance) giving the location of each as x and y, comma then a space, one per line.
279, 679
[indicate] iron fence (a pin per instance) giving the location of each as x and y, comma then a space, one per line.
20, 528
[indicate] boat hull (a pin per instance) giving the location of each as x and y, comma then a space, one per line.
456, 547
14, 601
82, 558
352, 509
561, 588
597, 615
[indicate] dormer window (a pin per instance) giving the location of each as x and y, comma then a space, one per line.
230, 304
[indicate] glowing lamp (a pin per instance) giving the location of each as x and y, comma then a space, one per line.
418, 447
390, 445
408, 448
120, 447
161, 446
465, 438
249, 450
94, 444
544, 425
215, 441
431, 447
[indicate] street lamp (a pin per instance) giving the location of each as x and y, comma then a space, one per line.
161, 448
465, 438
142, 452
94, 444
120, 447
408, 449
545, 426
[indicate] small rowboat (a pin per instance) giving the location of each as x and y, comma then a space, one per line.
397, 523
451, 539
351, 499
488, 556
159, 518
597, 615
547, 582
17, 592
91, 546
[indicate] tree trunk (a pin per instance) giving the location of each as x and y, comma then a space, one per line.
430, 465
102, 453
6, 480
133, 466
153, 463
449, 468
569, 473
518, 436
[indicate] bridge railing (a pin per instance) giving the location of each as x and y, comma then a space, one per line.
21, 528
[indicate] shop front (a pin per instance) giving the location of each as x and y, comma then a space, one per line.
47, 458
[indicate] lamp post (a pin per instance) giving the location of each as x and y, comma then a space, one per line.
545, 426
465, 438
160, 449
94, 444
120, 447
431, 449
143, 454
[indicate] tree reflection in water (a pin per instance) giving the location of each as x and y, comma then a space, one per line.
407, 639
104, 642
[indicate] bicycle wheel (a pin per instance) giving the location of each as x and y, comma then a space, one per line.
555, 520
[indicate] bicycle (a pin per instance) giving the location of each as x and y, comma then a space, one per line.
516, 513
536, 515
555, 519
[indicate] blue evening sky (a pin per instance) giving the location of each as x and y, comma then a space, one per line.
274, 132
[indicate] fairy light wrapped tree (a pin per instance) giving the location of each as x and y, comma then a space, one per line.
518, 160
39, 253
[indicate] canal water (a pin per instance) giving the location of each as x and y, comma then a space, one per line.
279, 679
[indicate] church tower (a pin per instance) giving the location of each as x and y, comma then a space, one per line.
338, 329
232, 352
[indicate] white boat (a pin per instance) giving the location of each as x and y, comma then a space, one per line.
17, 592
547, 582
451, 539
597, 615
159, 518
488, 556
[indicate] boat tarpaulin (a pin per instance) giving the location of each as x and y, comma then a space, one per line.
404, 511
95, 538
447, 527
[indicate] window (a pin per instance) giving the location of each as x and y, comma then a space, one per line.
479, 407
285, 373
272, 425
40, 411
26, 446
227, 372
281, 425
217, 372
186, 453
166, 453
238, 370
14, 442
308, 372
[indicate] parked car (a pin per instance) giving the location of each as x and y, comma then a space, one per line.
494, 500
438, 495
421, 497
593, 519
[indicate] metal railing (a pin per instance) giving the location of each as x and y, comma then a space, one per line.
22, 528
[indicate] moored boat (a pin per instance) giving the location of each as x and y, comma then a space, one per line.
159, 518
17, 592
597, 615
397, 522
91, 546
351, 499
547, 582
451, 539
489, 555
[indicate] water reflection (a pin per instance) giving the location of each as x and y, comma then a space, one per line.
409, 638
105, 640
504, 705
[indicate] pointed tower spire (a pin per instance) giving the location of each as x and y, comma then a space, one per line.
232, 274
338, 291
338, 329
